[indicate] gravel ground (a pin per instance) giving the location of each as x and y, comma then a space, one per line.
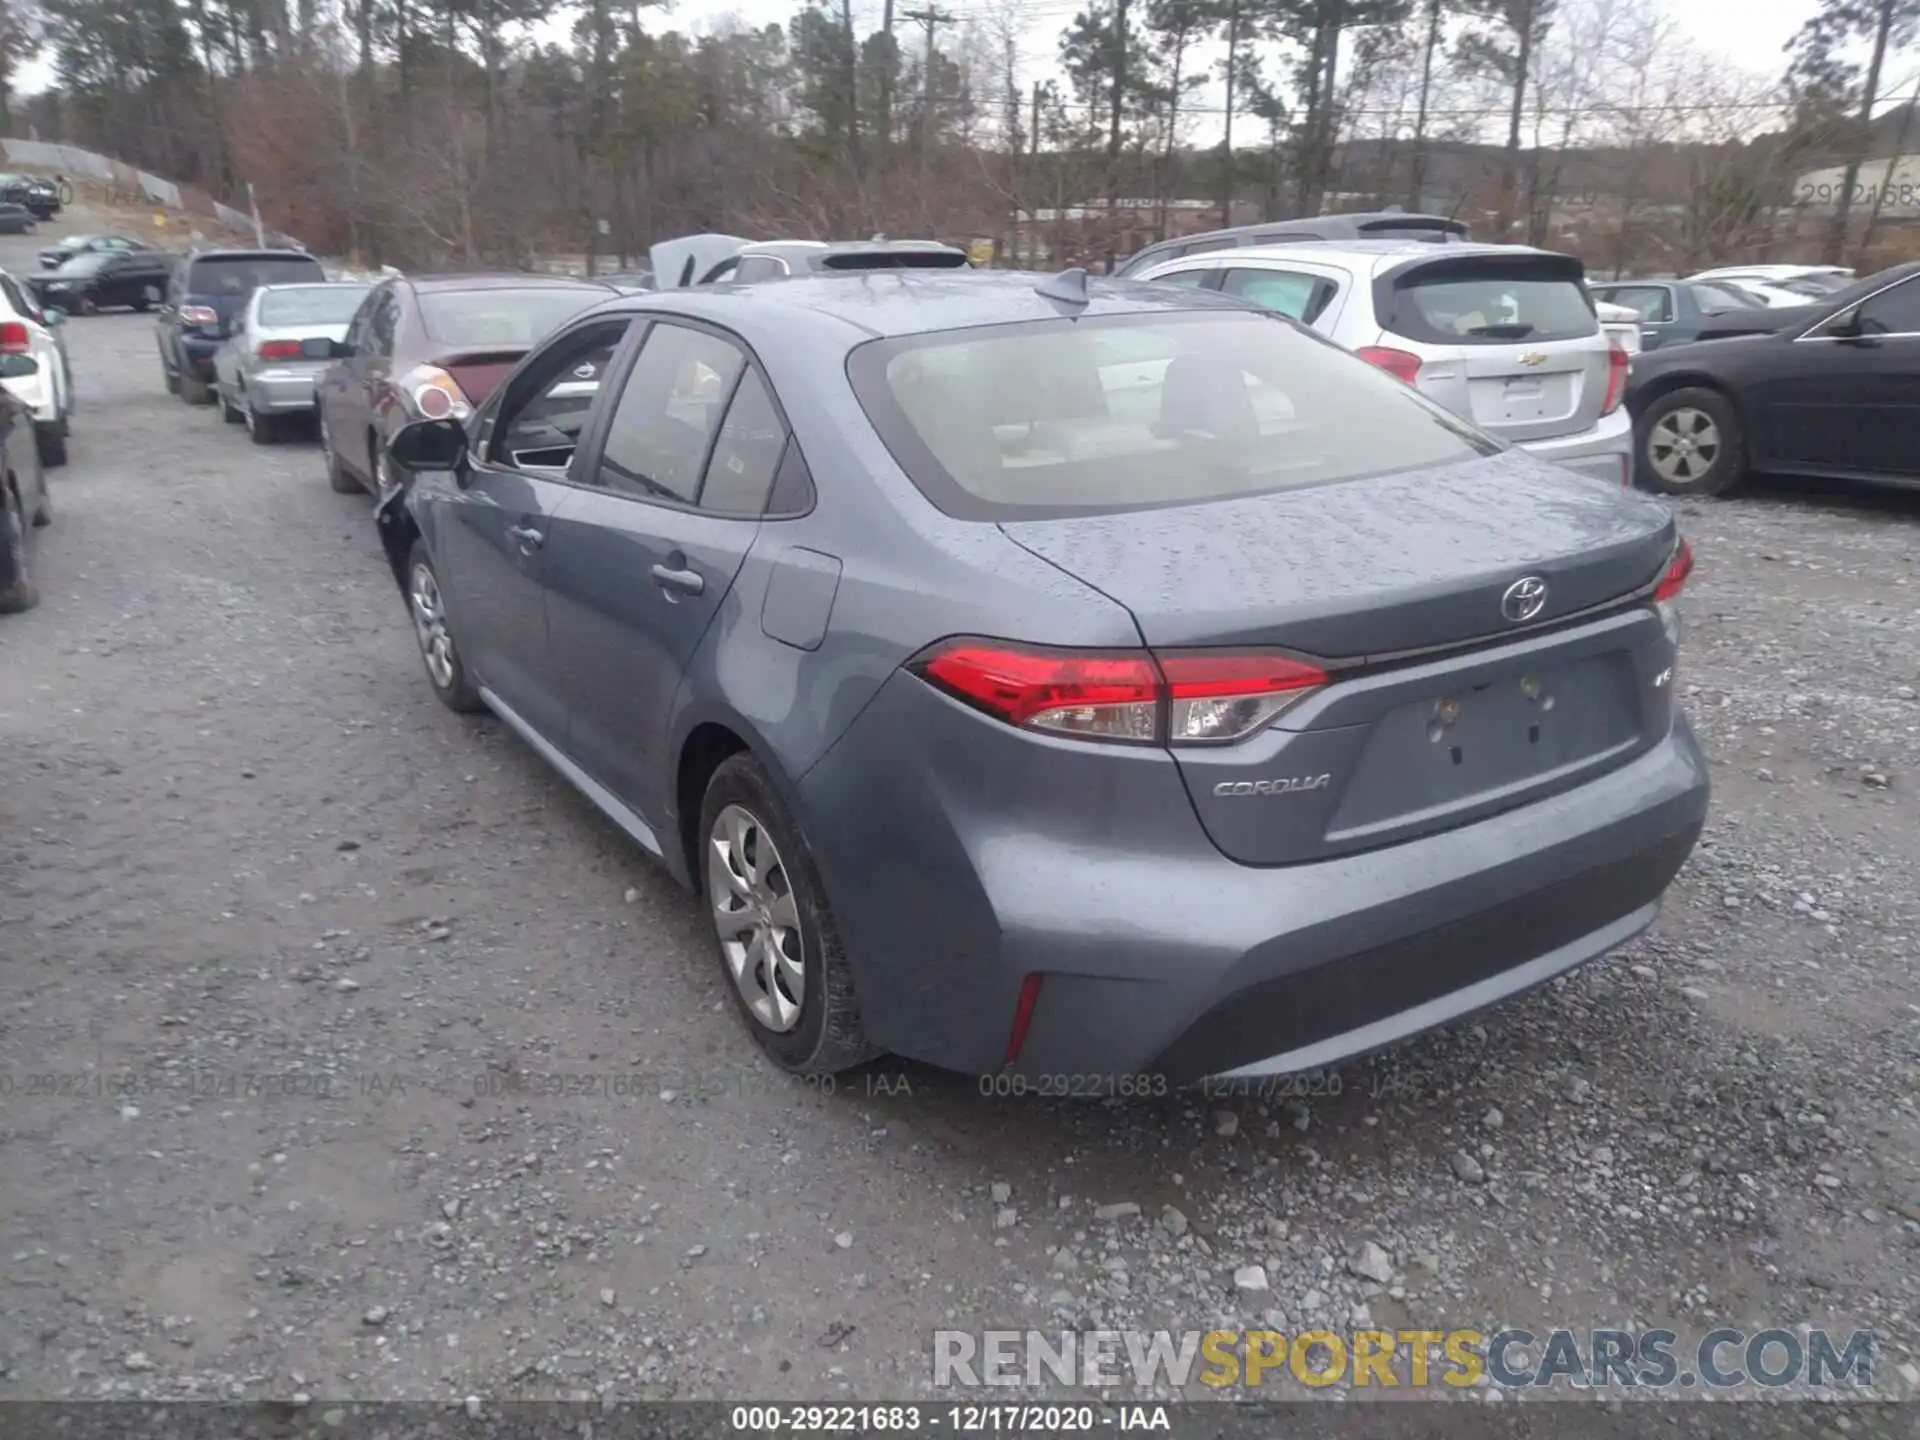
346, 1052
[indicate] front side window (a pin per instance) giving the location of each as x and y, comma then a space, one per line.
1892, 312
1286, 292
1099, 415
670, 414
759, 267
541, 421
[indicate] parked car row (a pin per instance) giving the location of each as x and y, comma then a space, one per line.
36, 408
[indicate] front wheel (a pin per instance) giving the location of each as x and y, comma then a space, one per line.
261, 429
1690, 443
229, 412
445, 670
778, 945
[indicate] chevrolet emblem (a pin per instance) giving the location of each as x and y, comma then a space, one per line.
1534, 357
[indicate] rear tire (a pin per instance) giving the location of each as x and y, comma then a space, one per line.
261, 429
51, 441
20, 595
754, 862
1689, 442
446, 671
338, 480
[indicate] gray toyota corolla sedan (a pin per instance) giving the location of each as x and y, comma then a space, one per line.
1083, 680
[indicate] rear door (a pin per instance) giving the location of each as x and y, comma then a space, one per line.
1853, 402
1508, 340
642, 558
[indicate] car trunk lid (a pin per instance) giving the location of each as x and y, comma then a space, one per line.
1507, 339
1442, 705
476, 372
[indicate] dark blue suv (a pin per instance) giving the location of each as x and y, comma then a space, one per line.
206, 292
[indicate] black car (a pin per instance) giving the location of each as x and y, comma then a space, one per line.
15, 219
1673, 312
1371, 225
40, 198
207, 290
1834, 394
104, 280
61, 251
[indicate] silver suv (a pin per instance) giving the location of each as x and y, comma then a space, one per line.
1502, 335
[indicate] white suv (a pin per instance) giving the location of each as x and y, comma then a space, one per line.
1502, 335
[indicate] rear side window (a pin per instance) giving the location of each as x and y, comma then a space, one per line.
1285, 292
1649, 302
1493, 301
1101, 415
243, 274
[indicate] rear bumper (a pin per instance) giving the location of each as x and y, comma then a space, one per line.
36, 392
1605, 451
1160, 957
280, 392
196, 354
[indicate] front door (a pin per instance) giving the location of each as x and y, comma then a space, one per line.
1852, 403
344, 390
644, 557
492, 528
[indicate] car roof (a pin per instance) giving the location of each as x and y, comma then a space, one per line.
889, 303
500, 280
1371, 255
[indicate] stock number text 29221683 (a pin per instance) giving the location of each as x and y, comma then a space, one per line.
975, 1419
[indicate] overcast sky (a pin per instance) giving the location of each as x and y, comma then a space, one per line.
1745, 34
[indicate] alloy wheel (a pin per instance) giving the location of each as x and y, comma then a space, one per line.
1683, 445
757, 918
430, 625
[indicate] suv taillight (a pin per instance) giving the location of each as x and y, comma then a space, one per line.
1397, 363
1618, 362
14, 339
199, 315
1192, 698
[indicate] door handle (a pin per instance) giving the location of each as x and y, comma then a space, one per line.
688, 582
529, 538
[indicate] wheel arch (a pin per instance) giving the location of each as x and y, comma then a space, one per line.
1664, 384
708, 736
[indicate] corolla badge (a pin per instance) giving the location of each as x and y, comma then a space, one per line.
1290, 785
1524, 599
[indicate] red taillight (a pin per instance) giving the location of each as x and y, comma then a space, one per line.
1114, 696
1195, 698
14, 339
1397, 363
199, 315
279, 350
1618, 362
1023, 1016
1675, 580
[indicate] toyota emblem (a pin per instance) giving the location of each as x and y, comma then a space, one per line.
1524, 599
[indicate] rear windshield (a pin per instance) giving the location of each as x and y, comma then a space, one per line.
244, 274
479, 319
1451, 303
1096, 416
321, 305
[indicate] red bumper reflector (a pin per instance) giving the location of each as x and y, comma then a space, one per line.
1023, 1016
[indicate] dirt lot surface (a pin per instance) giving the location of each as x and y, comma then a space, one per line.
346, 1052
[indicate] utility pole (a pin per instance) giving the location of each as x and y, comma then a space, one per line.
853, 89
931, 17
1113, 127
1033, 176
1837, 230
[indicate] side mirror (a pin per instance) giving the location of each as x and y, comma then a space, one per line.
18, 367
429, 445
1845, 325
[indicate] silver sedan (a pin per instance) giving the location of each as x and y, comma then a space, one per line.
264, 375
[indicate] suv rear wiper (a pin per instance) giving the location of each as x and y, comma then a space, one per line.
1501, 332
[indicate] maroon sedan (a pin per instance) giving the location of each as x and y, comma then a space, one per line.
431, 347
